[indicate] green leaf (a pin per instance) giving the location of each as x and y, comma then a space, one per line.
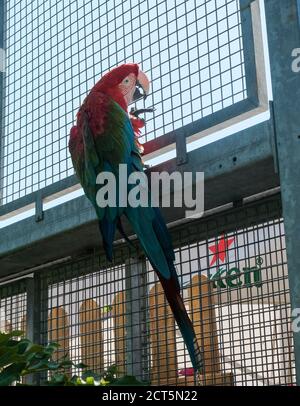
90, 380
11, 374
43, 364
106, 309
66, 364
20, 357
75, 379
58, 378
127, 381
12, 343
23, 346
52, 365
34, 348
10, 357
5, 337
92, 374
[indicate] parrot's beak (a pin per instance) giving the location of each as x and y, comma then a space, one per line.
142, 83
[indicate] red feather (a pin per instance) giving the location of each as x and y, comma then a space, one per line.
115, 77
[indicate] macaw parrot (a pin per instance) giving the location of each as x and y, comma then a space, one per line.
105, 136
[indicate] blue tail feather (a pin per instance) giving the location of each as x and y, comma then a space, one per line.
156, 242
108, 230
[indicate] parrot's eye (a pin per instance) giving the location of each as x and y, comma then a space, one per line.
126, 80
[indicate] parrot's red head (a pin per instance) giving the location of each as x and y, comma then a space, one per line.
123, 84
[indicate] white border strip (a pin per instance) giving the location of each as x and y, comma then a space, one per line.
2, 60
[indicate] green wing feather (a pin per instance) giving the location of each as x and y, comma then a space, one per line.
102, 139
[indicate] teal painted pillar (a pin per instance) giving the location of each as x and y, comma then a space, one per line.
137, 357
33, 326
284, 40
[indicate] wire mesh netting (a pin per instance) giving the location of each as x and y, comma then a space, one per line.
13, 307
233, 272
192, 51
80, 317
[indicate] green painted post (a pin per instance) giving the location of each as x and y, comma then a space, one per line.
284, 40
136, 319
36, 304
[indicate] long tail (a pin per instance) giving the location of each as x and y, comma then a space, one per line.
153, 234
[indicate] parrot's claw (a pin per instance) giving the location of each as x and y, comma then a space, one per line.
136, 113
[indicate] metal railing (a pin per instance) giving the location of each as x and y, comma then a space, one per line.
232, 268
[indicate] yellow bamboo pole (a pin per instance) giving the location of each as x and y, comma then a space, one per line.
162, 338
92, 346
58, 331
119, 317
201, 304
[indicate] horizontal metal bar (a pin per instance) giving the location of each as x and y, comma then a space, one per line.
45, 192
228, 165
149, 147
199, 125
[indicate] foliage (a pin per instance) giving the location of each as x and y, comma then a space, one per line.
19, 357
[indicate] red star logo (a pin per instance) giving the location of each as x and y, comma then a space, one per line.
219, 250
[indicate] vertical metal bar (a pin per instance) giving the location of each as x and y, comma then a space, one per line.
181, 148
33, 309
249, 51
33, 320
39, 214
2, 78
36, 321
136, 305
284, 37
